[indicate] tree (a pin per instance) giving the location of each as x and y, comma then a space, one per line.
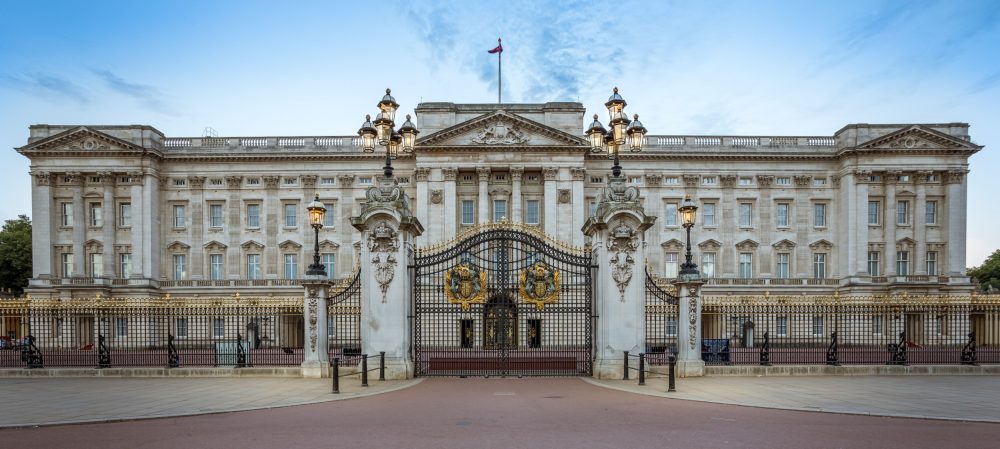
988, 274
15, 254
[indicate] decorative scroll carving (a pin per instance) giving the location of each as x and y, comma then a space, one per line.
42, 178
500, 133
388, 194
465, 284
956, 176
579, 173
450, 173
691, 180
437, 195
622, 245
308, 181
313, 305
484, 174
802, 180
384, 244
346, 181
516, 173
564, 196
728, 180
550, 173
421, 173
234, 182
539, 284
654, 179
271, 182
692, 316
765, 181
196, 182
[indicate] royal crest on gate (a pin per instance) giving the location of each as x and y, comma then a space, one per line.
465, 284
539, 284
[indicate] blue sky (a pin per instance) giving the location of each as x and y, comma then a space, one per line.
315, 68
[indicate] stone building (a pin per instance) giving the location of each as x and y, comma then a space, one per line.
868, 210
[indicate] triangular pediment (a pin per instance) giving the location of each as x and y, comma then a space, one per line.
747, 245
327, 246
918, 137
252, 245
215, 246
178, 247
821, 244
503, 130
710, 245
784, 244
81, 140
289, 245
673, 245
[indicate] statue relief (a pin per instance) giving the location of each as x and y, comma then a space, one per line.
465, 284
500, 133
539, 284
622, 245
383, 244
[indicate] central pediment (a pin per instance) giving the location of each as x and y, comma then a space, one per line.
501, 129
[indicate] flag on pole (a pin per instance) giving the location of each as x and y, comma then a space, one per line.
498, 49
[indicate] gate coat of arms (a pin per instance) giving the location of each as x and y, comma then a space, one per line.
465, 284
539, 284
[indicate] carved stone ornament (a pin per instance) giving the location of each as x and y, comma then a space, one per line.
500, 133
692, 317
465, 284
564, 196
313, 332
421, 173
271, 182
622, 244
618, 195
539, 284
196, 182
437, 195
42, 178
308, 181
388, 194
383, 243
691, 180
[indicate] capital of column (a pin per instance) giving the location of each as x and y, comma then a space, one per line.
727, 180
516, 173
580, 173
308, 181
484, 174
765, 181
196, 182
420, 174
42, 178
450, 173
802, 180
956, 176
271, 181
550, 173
345, 181
234, 181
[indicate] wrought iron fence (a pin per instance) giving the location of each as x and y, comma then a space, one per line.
344, 320
750, 330
661, 320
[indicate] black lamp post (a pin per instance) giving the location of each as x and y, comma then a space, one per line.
623, 132
316, 212
382, 133
687, 210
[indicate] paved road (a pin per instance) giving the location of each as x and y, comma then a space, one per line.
510, 414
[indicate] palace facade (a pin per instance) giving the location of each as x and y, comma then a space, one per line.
125, 211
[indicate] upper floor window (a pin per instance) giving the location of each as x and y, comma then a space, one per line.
253, 181
124, 265
931, 213
597, 179
96, 214
819, 215
329, 261
500, 177
215, 182
709, 180
902, 212
932, 257
67, 265
746, 181
531, 212
670, 215
708, 264
468, 212
125, 215
819, 265
67, 213
96, 265
746, 265
746, 215
290, 181
180, 220
671, 180
366, 181
783, 181
708, 214
670, 265
330, 217
253, 215
874, 209
215, 215
499, 210
874, 263
327, 181
782, 215
819, 182
180, 182
902, 263
291, 215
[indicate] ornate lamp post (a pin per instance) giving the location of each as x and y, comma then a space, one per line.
381, 132
687, 210
623, 132
316, 212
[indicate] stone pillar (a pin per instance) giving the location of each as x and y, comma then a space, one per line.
197, 205
421, 175
889, 223
551, 175
316, 357
139, 221
346, 183
450, 201
515, 194
956, 204
151, 229
920, 226
80, 223
484, 195
579, 204
43, 221
860, 267
689, 362
234, 226
617, 236
388, 229
272, 222
108, 230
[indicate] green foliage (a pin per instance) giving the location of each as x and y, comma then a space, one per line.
988, 274
15, 254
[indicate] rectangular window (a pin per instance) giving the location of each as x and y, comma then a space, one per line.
817, 326
671, 180
365, 181
291, 216
253, 215
709, 180
329, 261
253, 266
670, 271
327, 181
782, 215
216, 267
121, 326
67, 265
180, 266
499, 210
124, 265
708, 214
468, 212
932, 263
67, 214
902, 212
125, 215
96, 214
96, 265
874, 263
783, 265
291, 266
180, 220
819, 215
746, 265
783, 181
670, 326
330, 217
819, 265
597, 179
931, 216
877, 325
746, 215
670, 215
181, 327
215, 212
819, 182
708, 264
290, 181
746, 181
902, 263
531, 212
782, 326
939, 325
873, 212
218, 328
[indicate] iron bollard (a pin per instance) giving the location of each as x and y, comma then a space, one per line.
364, 370
670, 374
626, 366
381, 365
642, 368
335, 373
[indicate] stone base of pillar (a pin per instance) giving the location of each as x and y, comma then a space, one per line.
315, 370
395, 369
690, 368
610, 369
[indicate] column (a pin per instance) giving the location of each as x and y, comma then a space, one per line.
766, 265
920, 226
234, 224
516, 173
151, 229
273, 223
450, 201
108, 230
860, 267
484, 194
689, 362
346, 259
197, 227
80, 223
579, 204
654, 205
551, 175
727, 266
420, 176
889, 223
305, 231
43, 221
316, 358
956, 204
139, 222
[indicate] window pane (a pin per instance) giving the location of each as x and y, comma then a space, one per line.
468, 212
329, 263
708, 264
671, 266
708, 214
179, 220
180, 266
746, 265
931, 215
215, 261
531, 212
499, 209
783, 265
291, 266
746, 211
253, 266
873, 207
819, 266
874, 264
820, 215
253, 215
216, 212
330, 217
125, 214
125, 265
670, 215
902, 215
932, 263
782, 215
291, 213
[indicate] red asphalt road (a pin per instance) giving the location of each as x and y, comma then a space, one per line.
509, 414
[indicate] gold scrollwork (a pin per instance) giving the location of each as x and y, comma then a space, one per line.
539, 285
465, 284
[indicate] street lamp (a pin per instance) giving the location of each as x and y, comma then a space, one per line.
623, 132
687, 210
381, 132
316, 212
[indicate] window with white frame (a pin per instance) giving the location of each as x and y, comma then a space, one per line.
329, 261
781, 323
366, 181
328, 181
670, 326
930, 217
817, 326
468, 212
671, 180
96, 215
531, 212
932, 257
291, 266
670, 265
330, 216
253, 216
708, 265
499, 209
180, 216
819, 265
216, 268
783, 181
291, 215
180, 266
67, 213
709, 180
874, 209
181, 327
819, 215
877, 324
121, 327
902, 212
874, 263
902, 263
67, 265
746, 181
218, 328
783, 268
746, 215
781, 215
746, 265
253, 266
124, 215
670, 215
215, 215
124, 265
819, 182
96, 264
290, 181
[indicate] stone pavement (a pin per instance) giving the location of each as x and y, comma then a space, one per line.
964, 398
31, 401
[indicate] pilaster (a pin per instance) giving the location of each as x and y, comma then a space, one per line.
889, 223
316, 358
550, 175
920, 226
450, 200
43, 221
516, 173
579, 204
484, 194
956, 204
234, 226
689, 362
80, 223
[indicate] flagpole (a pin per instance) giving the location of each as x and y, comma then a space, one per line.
499, 72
